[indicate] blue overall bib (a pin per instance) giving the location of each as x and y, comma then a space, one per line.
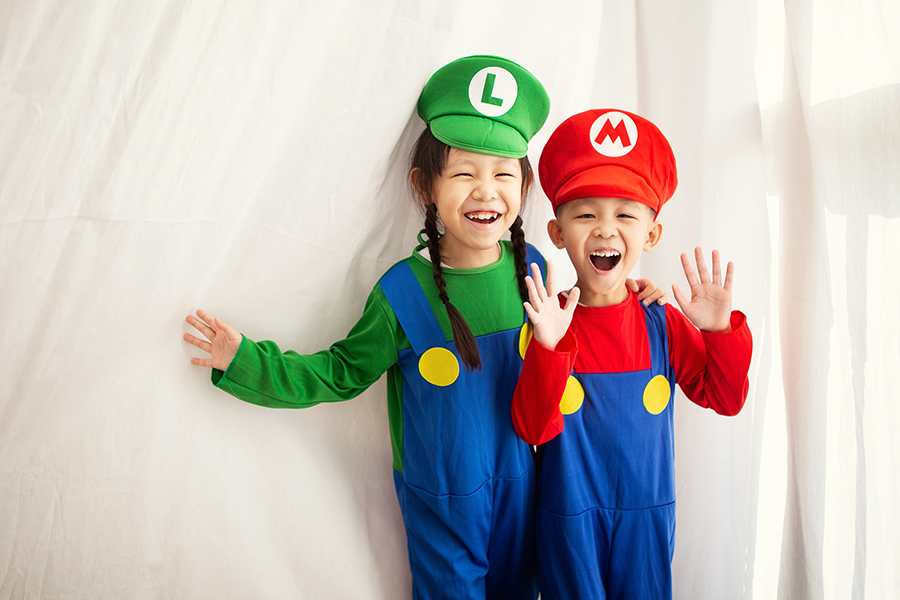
607, 491
467, 490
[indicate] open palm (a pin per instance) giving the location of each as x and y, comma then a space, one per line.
709, 307
223, 344
550, 321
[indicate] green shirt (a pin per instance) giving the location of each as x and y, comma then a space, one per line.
260, 373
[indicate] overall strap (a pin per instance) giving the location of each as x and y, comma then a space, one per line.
657, 337
533, 255
407, 299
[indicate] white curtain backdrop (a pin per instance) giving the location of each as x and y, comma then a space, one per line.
249, 158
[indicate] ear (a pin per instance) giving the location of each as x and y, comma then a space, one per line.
415, 176
556, 234
653, 236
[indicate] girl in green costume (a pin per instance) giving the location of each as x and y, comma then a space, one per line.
464, 480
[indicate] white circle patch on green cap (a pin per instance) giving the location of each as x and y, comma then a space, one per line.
493, 91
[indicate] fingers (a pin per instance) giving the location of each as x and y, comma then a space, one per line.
680, 298
646, 290
533, 316
551, 277
539, 281
649, 296
572, 301
702, 274
532, 290
221, 326
205, 317
689, 272
702, 270
202, 344
201, 326
542, 302
209, 327
202, 362
729, 275
716, 268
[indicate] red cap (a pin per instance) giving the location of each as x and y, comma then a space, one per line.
608, 153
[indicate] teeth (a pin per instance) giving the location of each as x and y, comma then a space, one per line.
605, 253
482, 216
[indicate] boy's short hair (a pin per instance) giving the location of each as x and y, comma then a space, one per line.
608, 153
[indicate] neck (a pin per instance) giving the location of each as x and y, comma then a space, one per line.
469, 258
598, 299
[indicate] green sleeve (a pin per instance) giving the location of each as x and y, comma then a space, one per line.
262, 374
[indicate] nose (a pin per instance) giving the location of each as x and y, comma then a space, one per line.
485, 191
604, 228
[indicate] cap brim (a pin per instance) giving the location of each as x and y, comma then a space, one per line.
607, 181
481, 135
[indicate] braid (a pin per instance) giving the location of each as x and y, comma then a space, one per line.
434, 251
517, 235
462, 334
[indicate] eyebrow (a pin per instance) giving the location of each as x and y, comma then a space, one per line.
468, 162
578, 203
590, 201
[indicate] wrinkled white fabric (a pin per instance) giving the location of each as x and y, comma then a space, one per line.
250, 158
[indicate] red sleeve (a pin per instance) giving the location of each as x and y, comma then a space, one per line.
535, 405
711, 368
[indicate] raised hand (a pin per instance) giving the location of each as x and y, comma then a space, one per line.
550, 321
223, 344
709, 307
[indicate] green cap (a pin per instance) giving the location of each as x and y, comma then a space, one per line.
484, 104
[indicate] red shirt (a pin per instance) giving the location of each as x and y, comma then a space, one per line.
711, 368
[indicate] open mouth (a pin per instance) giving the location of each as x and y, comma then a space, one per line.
485, 217
605, 260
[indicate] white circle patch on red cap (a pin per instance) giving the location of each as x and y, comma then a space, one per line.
613, 134
493, 91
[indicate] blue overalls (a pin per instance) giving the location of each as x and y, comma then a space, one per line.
467, 490
606, 520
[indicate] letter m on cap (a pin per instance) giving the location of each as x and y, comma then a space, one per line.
619, 132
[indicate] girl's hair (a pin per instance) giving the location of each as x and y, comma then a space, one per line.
429, 157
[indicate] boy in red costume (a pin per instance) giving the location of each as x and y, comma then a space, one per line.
606, 517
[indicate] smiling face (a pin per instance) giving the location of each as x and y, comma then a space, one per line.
604, 238
478, 197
